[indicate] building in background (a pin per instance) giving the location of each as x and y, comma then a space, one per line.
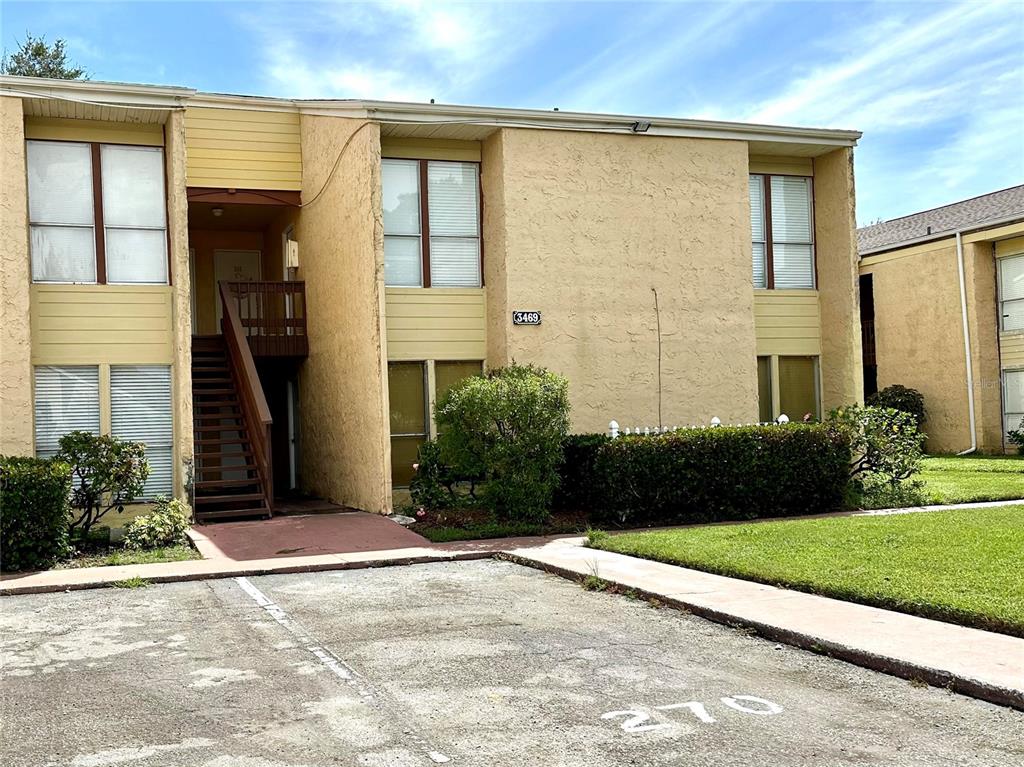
942, 307
272, 293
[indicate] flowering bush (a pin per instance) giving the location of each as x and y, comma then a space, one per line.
165, 525
886, 443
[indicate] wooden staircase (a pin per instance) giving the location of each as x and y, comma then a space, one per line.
230, 478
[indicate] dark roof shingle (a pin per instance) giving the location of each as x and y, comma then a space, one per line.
976, 211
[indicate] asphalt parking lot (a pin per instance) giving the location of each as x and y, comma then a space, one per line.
470, 663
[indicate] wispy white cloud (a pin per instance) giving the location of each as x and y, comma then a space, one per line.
409, 50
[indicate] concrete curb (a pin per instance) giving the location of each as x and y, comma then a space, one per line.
893, 666
221, 570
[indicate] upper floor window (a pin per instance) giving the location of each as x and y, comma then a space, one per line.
782, 231
1011, 293
97, 213
431, 223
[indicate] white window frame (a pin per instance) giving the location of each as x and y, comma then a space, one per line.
1003, 301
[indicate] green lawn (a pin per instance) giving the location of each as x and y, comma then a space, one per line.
972, 478
964, 566
119, 556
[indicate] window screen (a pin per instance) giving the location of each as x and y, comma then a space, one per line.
757, 235
1011, 292
1013, 399
453, 202
400, 182
798, 387
66, 399
408, 405
140, 410
792, 238
135, 225
61, 212
764, 390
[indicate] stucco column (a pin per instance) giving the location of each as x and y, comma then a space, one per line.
15, 278
181, 299
983, 321
495, 248
835, 234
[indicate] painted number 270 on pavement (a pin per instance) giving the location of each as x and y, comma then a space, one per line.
636, 720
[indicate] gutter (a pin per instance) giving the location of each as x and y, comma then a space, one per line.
967, 345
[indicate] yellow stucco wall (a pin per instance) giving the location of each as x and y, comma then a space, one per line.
343, 383
15, 338
919, 339
243, 148
436, 323
835, 248
582, 227
787, 322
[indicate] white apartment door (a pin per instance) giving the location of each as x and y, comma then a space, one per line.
233, 266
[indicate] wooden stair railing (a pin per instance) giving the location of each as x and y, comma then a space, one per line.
251, 397
272, 316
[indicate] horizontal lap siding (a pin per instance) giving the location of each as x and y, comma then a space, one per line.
1011, 350
57, 129
787, 322
435, 324
243, 149
94, 324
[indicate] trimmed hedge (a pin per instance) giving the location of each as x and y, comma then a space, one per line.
577, 488
723, 473
33, 512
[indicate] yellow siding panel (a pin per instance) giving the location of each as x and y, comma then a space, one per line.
1012, 247
435, 323
783, 166
57, 129
96, 324
243, 149
430, 149
787, 322
1011, 350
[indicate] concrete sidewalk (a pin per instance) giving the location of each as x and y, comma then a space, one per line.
978, 663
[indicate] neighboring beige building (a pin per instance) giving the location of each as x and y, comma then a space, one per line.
942, 305
272, 293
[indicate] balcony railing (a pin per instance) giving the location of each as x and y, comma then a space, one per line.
272, 315
867, 331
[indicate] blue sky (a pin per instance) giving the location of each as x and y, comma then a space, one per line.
937, 87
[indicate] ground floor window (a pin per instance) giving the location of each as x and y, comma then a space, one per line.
140, 410
129, 401
414, 388
788, 385
1013, 399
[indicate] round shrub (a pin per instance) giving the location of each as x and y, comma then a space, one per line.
165, 525
901, 398
34, 512
507, 426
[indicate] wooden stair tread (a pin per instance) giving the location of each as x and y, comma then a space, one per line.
229, 498
260, 511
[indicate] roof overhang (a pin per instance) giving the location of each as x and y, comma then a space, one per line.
94, 100
947, 233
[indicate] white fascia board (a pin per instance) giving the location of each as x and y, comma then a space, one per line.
95, 92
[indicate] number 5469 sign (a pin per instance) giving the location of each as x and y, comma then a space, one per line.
521, 317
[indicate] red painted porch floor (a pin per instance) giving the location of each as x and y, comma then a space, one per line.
303, 535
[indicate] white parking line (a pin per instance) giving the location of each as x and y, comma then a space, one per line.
329, 660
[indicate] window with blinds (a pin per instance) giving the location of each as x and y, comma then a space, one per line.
1011, 293
1013, 399
61, 212
140, 410
757, 231
134, 214
444, 250
77, 238
782, 231
66, 399
407, 401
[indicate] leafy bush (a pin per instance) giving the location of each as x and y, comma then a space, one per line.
507, 426
577, 489
885, 442
108, 473
165, 525
723, 473
436, 485
33, 512
1016, 436
900, 398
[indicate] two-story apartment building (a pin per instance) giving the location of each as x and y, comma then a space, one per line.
942, 301
272, 293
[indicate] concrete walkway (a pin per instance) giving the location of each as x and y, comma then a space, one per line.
982, 664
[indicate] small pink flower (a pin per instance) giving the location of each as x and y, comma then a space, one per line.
421, 512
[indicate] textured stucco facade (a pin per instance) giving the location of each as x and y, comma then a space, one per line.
835, 236
584, 228
177, 219
15, 334
343, 383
